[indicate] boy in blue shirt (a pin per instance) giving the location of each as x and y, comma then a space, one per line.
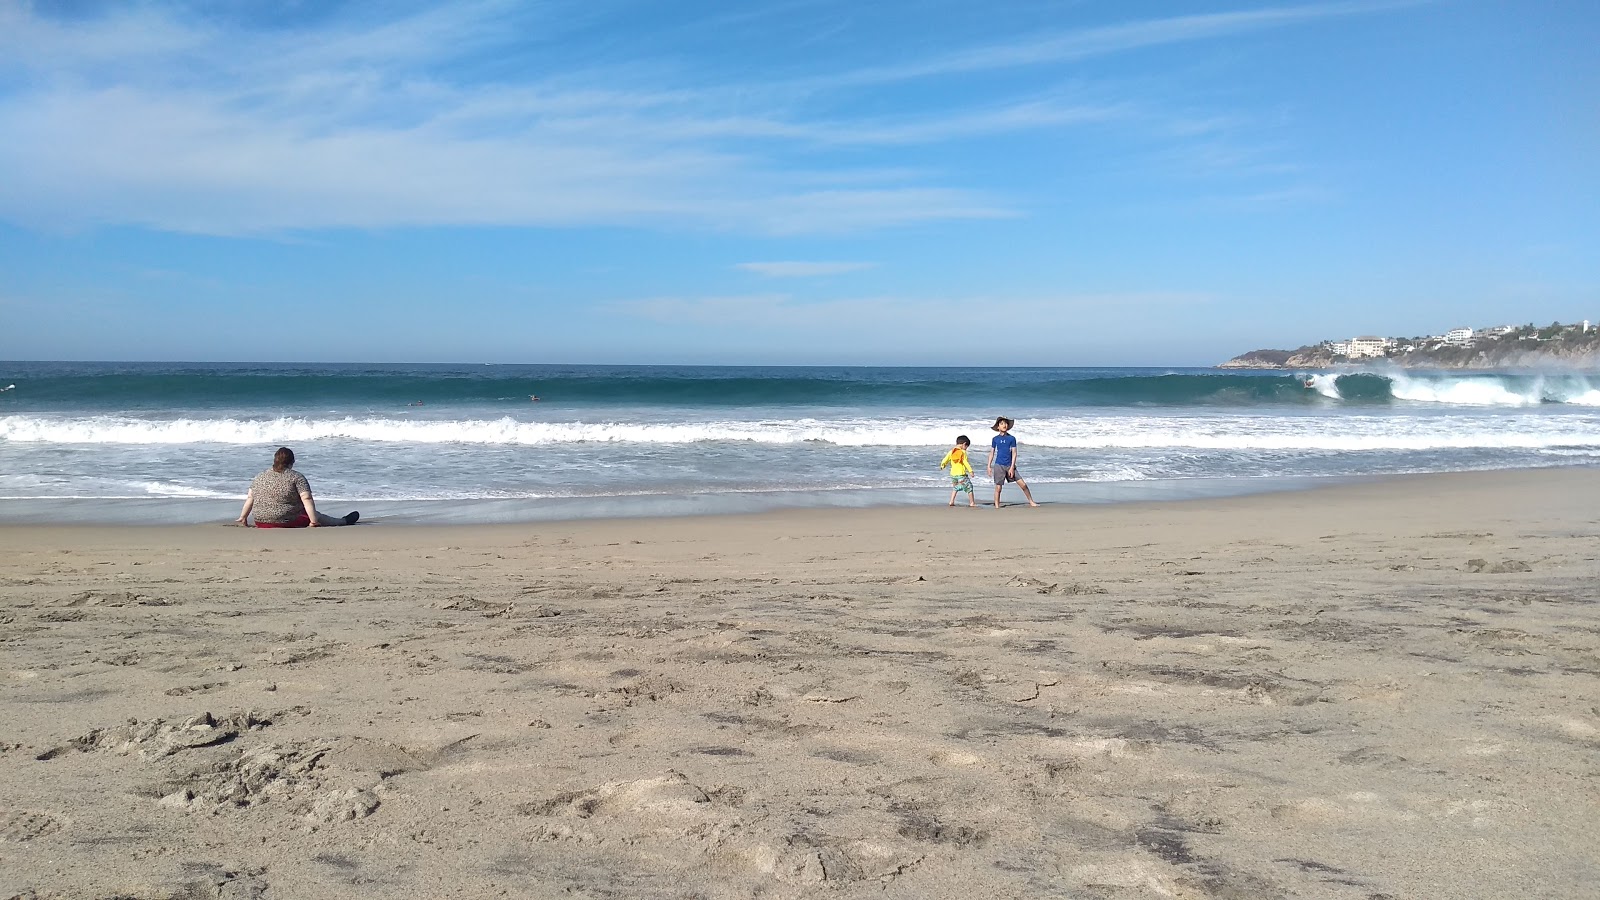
1003, 461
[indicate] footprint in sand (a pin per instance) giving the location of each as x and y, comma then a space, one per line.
813, 858
159, 738
1111, 748
18, 825
188, 689
955, 759
671, 795
343, 806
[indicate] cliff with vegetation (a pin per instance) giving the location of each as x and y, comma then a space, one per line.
1557, 345
1313, 357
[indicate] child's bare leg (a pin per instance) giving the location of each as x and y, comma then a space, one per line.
1025, 492
997, 496
952, 498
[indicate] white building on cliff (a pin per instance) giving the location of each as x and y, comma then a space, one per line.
1361, 347
1368, 346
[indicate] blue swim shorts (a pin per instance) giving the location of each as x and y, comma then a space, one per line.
961, 483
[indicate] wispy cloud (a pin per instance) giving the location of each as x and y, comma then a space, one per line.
347, 135
1085, 43
802, 269
1023, 116
145, 116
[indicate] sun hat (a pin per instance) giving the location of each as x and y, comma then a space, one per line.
996, 425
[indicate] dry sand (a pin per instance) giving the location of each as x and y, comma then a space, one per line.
1297, 695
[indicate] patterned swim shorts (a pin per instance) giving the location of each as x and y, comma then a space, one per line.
961, 483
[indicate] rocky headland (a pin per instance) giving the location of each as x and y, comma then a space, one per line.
1556, 346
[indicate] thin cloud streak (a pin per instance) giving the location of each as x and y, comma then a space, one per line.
1104, 41
192, 167
803, 269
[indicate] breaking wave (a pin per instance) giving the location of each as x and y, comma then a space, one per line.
1342, 433
377, 389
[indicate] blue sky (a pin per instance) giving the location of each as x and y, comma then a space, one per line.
812, 181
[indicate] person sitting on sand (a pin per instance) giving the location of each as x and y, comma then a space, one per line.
1003, 455
280, 497
960, 471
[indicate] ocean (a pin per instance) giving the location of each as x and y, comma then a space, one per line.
179, 442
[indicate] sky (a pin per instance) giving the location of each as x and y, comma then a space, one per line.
1118, 182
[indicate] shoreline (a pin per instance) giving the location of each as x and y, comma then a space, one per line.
174, 512
1376, 689
141, 512
1341, 491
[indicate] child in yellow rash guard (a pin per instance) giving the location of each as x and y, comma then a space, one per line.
960, 471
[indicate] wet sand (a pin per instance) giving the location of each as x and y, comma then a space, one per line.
1387, 690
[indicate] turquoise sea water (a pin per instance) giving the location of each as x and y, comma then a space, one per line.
142, 442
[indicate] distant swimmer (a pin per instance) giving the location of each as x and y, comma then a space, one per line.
533, 398
1310, 382
10, 386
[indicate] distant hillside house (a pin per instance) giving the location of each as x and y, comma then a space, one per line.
1458, 337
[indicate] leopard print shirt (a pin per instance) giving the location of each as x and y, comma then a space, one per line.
277, 496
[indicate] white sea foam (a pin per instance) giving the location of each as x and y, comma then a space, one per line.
1459, 392
1494, 390
1527, 431
167, 489
1111, 474
1587, 398
1326, 385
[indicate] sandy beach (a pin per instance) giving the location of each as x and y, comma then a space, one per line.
1381, 690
